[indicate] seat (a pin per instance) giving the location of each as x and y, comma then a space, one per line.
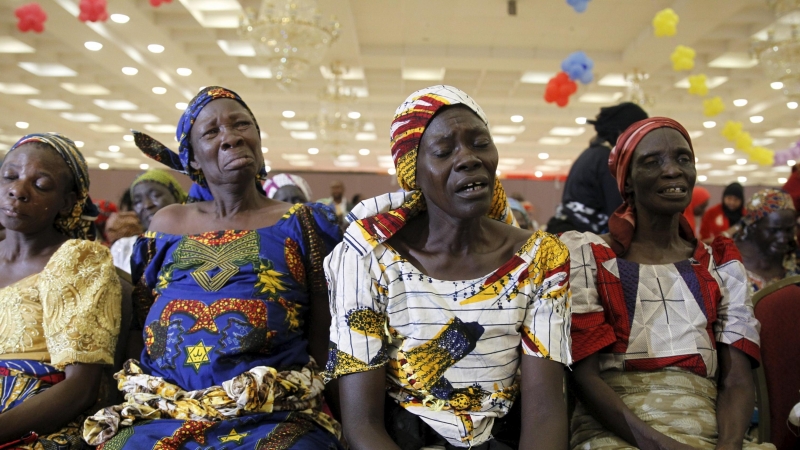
777, 307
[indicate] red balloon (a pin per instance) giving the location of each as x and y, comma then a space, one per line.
93, 11
159, 2
559, 89
30, 17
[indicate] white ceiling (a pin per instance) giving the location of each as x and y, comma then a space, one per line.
475, 43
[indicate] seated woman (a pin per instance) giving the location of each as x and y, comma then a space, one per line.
723, 218
59, 295
150, 192
767, 239
289, 188
232, 299
663, 333
438, 300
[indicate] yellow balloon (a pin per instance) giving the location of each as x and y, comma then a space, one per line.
665, 23
682, 58
731, 130
713, 106
697, 85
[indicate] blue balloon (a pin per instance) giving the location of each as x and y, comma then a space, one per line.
578, 5
578, 67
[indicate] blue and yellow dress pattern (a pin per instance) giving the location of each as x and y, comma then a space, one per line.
225, 363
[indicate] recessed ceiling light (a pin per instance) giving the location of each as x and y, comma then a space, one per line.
113, 148
155, 48
184, 72
741, 161
295, 125
303, 135
93, 46
106, 128
85, 89
127, 138
103, 166
268, 169
17, 89
160, 128
313, 151
776, 85
22, 125
756, 119
259, 72
48, 70
517, 118
181, 105
580, 120
368, 137
159, 90
734, 60
702, 178
554, 140
10, 45
49, 104
119, 18
391, 171
264, 150
741, 179
567, 131
728, 150
782, 180
423, 74
363, 152
115, 105
130, 70
354, 115
80, 117
497, 172
711, 82
791, 162
791, 105
544, 155
536, 77
144, 166
740, 102
508, 129
288, 114
695, 134
79, 144
347, 158
780, 132
538, 174
237, 48
140, 117
709, 124
600, 97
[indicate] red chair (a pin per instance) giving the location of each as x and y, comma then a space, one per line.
777, 307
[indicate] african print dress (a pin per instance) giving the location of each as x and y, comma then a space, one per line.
451, 349
225, 363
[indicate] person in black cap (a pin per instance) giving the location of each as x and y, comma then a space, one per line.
590, 192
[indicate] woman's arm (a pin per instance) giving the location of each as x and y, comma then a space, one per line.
606, 406
543, 406
735, 397
362, 398
56, 407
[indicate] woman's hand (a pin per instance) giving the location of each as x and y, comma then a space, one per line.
362, 397
543, 405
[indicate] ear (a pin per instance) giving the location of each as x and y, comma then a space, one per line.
69, 202
193, 164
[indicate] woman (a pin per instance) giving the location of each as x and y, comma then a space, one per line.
150, 192
657, 315
720, 218
438, 300
768, 239
59, 295
289, 188
231, 295
697, 206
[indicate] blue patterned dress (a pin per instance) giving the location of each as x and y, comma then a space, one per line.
225, 363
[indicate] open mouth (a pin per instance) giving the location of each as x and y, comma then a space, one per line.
673, 190
472, 187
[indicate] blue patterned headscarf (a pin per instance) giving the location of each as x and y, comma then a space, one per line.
79, 223
180, 161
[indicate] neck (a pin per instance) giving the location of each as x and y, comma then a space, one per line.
661, 231
446, 234
22, 246
230, 199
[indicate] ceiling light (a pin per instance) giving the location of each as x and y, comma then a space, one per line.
702, 178
103, 166
127, 138
303, 135
791, 105
155, 48
237, 48
709, 124
728, 150
17, 89
391, 171
567, 131
181, 105
517, 118
159, 90
10, 45
49, 104
740, 102
313, 151
79, 144
510, 161
48, 70
262, 72
184, 72
363, 152
781, 132
160, 128
347, 158
119, 18
580, 120
497, 172
614, 80
711, 83
144, 166
508, 129
93, 46
600, 97
288, 114
423, 74
22, 125
130, 70
536, 77
696, 159
791, 162
85, 89
504, 139
776, 85
294, 125
264, 135
741, 161
756, 119
264, 150
268, 169
366, 137
140, 117
113, 148
294, 156
741, 179
734, 60
544, 155
354, 115
538, 174
300, 163
80, 117
782, 180
115, 105
554, 140
106, 128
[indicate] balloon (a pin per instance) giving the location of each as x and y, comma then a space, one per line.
93, 11
665, 23
744, 141
697, 85
158, 3
682, 58
713, 106
559, 89
762, 156
579, 67
578, 5
30, 17
731, 130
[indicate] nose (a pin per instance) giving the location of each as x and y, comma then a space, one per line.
467, 160
231, 138
18, 192
672, 168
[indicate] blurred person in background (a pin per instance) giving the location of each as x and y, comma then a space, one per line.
700, 198
288, 188
337, 201
720, 218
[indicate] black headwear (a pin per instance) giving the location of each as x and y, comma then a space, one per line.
613, 120
737, 190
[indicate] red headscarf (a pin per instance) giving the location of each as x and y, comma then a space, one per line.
700, 195
622, 223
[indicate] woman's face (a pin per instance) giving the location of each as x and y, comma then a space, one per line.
290, 194
775, 233
36, 187
732, 202
456, 164
226, 144
148, 198
662, 172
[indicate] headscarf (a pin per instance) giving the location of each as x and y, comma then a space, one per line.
613, 120
622, 223
272, 185
79, 223
700, 195
764, 202
105, 208
736, 190
516, 205
180, 162
165, 179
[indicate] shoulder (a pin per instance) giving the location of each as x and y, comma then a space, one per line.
80, 248
77, 256
724, 250
171, 219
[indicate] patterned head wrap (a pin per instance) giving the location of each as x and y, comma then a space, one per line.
165, 179
764, 202
623, 222
79, 223
180, 161
272, 185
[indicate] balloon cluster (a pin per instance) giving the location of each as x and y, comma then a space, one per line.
578, 5
682, 58
792, 152
30, 17
734, 132
93, 11
158, 3
665, 23
697, 85
559, 89
578, 67
713, 106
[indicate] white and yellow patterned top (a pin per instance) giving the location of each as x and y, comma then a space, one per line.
67, 313
451, 348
